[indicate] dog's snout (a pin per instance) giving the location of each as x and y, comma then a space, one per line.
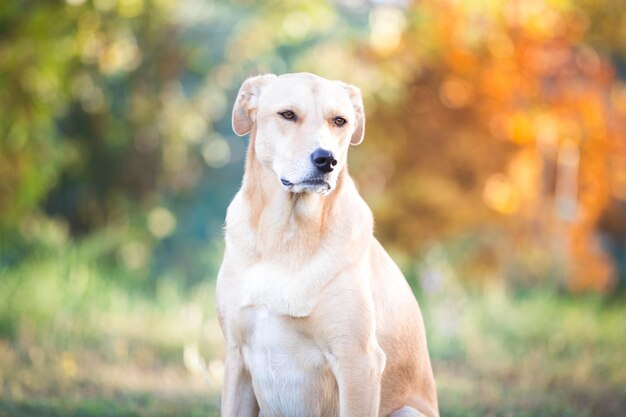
324, 160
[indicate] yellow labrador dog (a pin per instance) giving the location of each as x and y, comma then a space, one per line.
318, 320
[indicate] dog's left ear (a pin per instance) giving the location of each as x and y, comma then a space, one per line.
357, 101
247, 101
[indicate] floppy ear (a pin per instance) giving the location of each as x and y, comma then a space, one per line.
246, 103
357, 101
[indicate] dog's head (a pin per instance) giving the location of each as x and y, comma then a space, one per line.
304, 125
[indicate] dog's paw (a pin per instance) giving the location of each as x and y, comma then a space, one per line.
407, 411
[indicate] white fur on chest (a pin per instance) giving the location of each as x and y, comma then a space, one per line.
289, 372
292, 292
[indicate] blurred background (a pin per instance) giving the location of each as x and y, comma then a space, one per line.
494, 162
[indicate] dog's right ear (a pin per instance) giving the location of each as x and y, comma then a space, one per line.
245, 107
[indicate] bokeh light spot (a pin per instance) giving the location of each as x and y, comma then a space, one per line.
500, 195
68, 365
130, 8
216, 153
161, 222
456, 93
387, 25
297, 25
133, 255
500, 45
121, 55
104, 5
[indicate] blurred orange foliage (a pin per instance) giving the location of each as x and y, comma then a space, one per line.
511, 114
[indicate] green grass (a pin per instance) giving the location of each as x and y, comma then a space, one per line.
77, 340
540, 355
123, 406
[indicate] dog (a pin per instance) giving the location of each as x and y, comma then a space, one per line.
318, 319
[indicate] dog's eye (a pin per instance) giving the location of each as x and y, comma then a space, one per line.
339, 121
289, 115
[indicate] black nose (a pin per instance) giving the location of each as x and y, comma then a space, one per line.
324, 160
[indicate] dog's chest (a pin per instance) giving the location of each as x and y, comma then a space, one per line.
289, 372
283, 290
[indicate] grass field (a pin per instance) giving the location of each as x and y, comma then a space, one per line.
75, 342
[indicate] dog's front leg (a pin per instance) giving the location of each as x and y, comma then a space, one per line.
238, 398
358, 374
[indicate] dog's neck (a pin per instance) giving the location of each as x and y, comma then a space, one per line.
264, 193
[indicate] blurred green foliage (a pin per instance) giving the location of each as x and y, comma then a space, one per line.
119, 118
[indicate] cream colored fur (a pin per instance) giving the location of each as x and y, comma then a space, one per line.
318, 319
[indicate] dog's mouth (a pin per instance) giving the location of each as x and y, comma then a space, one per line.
319, 185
